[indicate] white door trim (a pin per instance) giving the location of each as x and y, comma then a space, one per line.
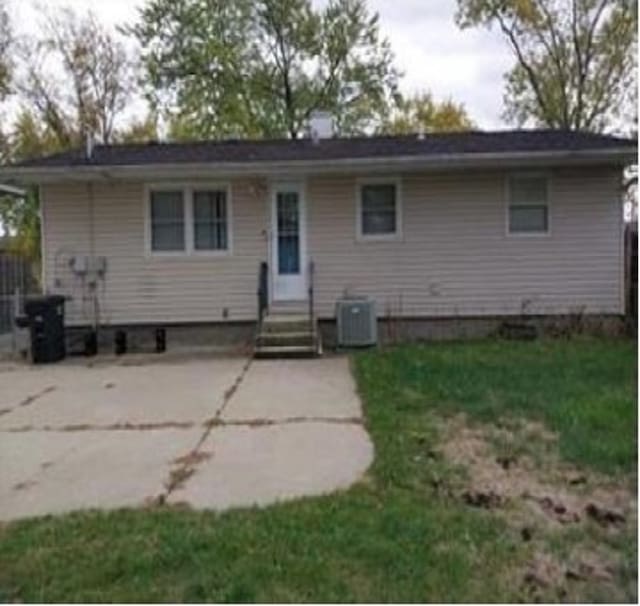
289, 287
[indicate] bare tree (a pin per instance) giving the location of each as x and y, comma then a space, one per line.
95, 80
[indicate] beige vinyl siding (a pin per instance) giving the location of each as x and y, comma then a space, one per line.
454, 258
142, 287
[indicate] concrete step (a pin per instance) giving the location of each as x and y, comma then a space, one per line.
285, 317
288, 351
290, 304
290, 308
282, 323
274, 338
287, 335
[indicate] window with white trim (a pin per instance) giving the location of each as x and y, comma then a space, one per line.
210, 220
166, 219
185, 219
528, 205
378, 210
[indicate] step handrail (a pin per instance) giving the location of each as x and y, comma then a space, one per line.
263, 291
312, 269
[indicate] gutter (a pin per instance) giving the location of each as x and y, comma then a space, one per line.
619, 156
12, 191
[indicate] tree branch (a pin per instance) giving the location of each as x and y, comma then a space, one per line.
525, 65
284, 65
557, 56
588, 58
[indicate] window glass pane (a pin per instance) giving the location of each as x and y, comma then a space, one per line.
210, 220
378, 223
167, 238
528, 190
167, 220
378, 209
288, 219
531, 218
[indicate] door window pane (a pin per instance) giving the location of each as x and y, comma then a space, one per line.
288, 224
167, 220
210, 221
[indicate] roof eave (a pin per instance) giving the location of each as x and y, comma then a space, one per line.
621, 156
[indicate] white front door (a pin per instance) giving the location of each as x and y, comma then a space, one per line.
288, 228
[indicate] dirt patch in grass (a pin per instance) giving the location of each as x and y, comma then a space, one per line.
514, 470
529, 478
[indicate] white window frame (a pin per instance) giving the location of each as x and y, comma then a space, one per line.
147, 219
397, 234
189, 239
223, 252
507, 194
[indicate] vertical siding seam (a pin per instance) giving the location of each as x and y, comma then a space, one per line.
91, 215
43, 240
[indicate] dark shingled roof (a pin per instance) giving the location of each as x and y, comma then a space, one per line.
284, 150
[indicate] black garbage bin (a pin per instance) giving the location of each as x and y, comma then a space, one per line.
44, 316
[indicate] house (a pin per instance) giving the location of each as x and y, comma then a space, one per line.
447, 233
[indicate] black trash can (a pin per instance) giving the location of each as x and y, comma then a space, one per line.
45, 319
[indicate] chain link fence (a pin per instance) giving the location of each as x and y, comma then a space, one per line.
17, 280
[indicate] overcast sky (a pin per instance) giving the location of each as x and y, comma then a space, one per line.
431, 51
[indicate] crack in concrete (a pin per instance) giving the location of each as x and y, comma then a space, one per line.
260, 422
28, 400
126, 426
24, 485
186, 464
31, 399
208, 425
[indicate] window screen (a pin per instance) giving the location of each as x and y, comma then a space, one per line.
378, 209
210, 223
528, 205
167, 220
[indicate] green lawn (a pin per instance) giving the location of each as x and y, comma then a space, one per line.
396, 536
583, 389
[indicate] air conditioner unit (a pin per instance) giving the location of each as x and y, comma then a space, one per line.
357, 324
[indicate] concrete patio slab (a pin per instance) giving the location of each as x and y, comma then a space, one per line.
65, 395
111, 435
56, 472
282, 389
262, 465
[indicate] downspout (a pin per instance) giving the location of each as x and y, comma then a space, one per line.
93, 278
43, 244
93, 286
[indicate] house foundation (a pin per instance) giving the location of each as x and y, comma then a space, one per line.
238, 337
